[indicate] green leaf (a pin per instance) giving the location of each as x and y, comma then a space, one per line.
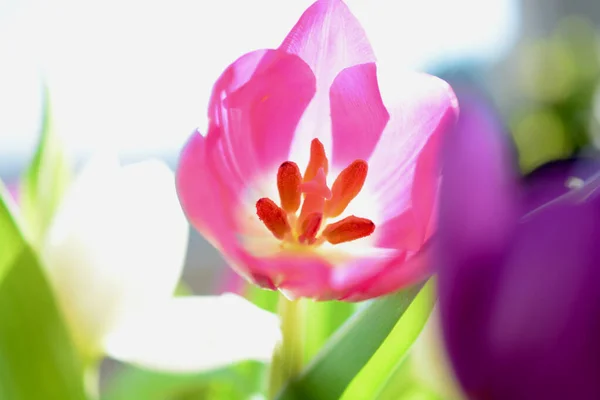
349, 349
401, 384
11, 242
393, 351
322, 320
45, 180
37, 360
235, 382
263, 298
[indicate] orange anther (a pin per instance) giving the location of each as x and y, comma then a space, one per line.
345, 188
288, 183
350, 228
318, 159
274, 218
310, 228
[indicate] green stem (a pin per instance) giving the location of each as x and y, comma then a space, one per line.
288, 357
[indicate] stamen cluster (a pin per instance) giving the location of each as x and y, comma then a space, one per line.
316, 202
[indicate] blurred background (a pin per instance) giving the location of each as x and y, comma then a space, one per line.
136, 76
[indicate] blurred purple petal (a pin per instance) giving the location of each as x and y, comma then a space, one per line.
479, 190
557, 178
544, 327
478, 195
519, 298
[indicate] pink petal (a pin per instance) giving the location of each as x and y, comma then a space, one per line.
298, 276
257, 102
399, 273
421, 107
210, 200
358, 115
426, 181
364, 269
401, 232
230, 281
329, 38
207, 204
312, 276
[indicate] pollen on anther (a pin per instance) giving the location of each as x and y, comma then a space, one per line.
310, 228
345, 188
274, 217
348, 229
288, 184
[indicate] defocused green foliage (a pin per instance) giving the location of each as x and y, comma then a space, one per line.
37, 358
322, 319
350, 348
376, 374
45, 180
234, 382
557, 78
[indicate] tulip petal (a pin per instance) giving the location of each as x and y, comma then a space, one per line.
348, 279
296, 276
196, 333
117, 243
544, 323
479, 191
206, 198
358, 115
553, 180
257, 116
401, 168
477, 218
329, 39
402, 271
401, 232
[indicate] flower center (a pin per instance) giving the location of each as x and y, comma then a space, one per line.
316, 202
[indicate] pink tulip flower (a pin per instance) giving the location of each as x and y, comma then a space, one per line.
315, 177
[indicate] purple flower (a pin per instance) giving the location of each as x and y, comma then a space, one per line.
519, 278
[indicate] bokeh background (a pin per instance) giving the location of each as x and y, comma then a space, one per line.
136, 76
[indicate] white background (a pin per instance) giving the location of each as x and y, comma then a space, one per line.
136, 75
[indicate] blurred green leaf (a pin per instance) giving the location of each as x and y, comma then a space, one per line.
183, 289
540, 136
45, 180
37, 360
235, 382
392, 352
349, 349
322, 320
401, 384
11, 245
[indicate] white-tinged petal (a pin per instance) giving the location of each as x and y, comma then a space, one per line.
117, 245
196, 333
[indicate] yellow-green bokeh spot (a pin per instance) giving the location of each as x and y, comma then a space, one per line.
540, 137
